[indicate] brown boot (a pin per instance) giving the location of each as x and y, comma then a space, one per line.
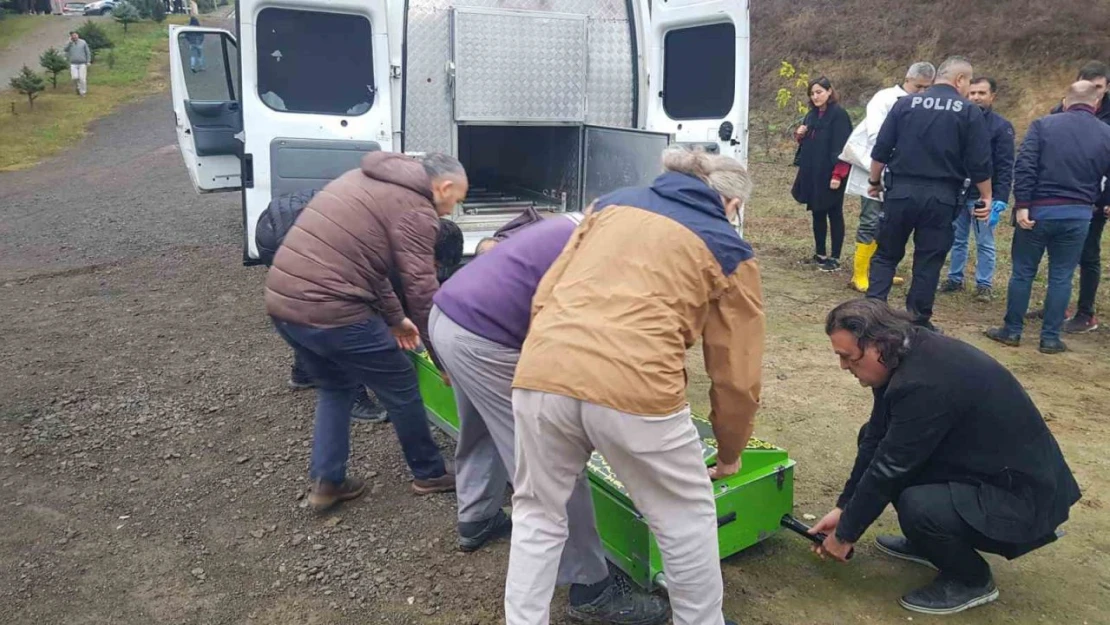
442, 484
324, 495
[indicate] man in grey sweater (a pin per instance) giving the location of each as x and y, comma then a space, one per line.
80, 58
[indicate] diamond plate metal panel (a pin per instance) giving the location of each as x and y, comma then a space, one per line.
429, 126
519, 66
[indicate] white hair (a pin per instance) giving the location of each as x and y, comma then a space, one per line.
438, 165
723, 174
923, 70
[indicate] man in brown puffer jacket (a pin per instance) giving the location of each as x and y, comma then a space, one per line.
331, 299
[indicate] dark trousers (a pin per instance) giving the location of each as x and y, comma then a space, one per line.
343, 360
926, 214
829, 221
1063, 240
937, 531
1090, 265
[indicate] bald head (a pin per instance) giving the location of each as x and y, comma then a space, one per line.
957, 72
1083, 92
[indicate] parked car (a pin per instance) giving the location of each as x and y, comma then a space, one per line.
74, 8
100, 7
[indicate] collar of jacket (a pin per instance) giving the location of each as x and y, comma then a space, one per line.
1081, 107
690, 192
944, 87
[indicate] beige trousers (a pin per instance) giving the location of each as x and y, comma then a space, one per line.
659, 461
79, 72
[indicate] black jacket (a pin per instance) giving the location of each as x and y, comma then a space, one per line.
1063, 160
935, 135
274, 222
1002, 158
818, 154
951, 414
1103, 113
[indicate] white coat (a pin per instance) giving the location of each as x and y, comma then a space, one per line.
857, 152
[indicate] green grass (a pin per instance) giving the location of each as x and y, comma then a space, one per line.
134, 68
14, 27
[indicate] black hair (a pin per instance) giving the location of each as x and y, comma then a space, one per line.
874, 323
1093, 70
826, 84
987, 79
449, 244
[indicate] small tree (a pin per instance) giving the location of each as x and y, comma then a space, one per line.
54, 63
95, 36
158, 14
125, 13
29, 84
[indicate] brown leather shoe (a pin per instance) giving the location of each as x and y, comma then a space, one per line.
324, 495
442, 484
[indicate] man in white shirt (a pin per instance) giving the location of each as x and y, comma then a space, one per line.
857, 153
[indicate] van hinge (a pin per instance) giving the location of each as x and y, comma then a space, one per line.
395, 72
248, 171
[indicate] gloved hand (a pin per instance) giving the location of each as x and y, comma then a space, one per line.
997, 208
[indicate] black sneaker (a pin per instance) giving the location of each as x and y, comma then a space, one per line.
830, 264
368, 410
949, 596
900, 547
1053, 347
474, 538
951, 286
1081, 324
999, 335
814, 260
621, 604
299, 380
984, 294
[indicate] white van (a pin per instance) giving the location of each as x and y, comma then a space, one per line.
548, 103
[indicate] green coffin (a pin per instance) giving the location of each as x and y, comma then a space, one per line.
749, 504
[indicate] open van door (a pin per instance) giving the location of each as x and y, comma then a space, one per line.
318, 81
204, 77
697, 61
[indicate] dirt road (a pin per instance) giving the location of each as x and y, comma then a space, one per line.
151, 458
53, 33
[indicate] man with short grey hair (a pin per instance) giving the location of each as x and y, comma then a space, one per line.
857, 153
80, 58
929, 144
330, 297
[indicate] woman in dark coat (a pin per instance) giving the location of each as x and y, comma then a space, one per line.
821, 137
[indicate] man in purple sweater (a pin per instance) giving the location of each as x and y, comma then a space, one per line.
477, 326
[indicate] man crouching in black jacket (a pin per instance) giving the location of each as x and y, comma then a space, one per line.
957, 446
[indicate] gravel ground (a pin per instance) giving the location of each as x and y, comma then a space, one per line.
152, 462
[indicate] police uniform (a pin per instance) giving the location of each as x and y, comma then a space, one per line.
931, 143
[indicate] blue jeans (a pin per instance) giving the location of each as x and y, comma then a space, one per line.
343, 360
196, 56
984, 244
1063, 240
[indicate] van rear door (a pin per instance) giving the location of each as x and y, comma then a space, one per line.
316, 96
698, 73
204, 77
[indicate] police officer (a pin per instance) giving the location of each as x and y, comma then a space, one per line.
929, 144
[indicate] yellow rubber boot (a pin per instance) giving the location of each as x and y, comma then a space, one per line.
864, 252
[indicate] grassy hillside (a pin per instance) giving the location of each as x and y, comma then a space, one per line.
1031, 47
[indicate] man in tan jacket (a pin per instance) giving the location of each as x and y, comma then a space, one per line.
649, 273
330, 297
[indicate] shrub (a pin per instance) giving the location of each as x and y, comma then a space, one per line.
54, 63
125, 13
95, 36
29, 84
158, 14
206, 6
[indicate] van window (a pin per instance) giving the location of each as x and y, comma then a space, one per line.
210, 65
314, 62
699, 71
